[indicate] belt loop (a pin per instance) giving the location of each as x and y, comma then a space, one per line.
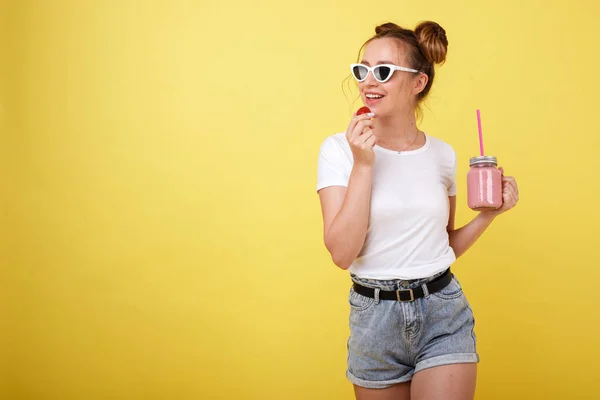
377, 295
425, 290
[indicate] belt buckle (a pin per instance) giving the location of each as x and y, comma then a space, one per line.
412, 295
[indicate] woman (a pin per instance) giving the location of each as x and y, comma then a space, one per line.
388, 198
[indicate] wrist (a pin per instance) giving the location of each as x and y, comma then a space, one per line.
360, 167
487, 216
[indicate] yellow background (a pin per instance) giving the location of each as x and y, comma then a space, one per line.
160, 233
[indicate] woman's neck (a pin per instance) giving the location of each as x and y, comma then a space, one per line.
396, 131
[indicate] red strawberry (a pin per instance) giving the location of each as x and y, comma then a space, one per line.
363, 110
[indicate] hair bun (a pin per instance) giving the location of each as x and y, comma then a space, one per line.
432, 40
386, 28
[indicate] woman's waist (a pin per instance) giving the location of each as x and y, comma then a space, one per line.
399, 273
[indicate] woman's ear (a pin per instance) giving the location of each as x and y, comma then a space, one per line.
419, 83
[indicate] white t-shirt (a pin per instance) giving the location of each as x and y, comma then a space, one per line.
407, 236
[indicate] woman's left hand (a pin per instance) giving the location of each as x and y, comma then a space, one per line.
510, 195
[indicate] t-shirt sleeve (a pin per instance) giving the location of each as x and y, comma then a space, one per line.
332, 166
452, 190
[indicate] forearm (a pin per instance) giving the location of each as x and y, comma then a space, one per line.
463, 238
346, 235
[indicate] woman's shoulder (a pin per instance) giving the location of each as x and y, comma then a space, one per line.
441, 145
337, 139
335, 143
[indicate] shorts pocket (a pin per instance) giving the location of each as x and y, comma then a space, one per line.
358, 302
452, 291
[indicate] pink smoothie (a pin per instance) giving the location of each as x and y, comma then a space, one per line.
484, 184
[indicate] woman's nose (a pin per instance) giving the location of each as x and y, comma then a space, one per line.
370, 79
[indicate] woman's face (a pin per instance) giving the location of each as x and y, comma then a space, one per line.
398, 94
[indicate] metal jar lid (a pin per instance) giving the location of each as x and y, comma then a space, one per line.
483, 160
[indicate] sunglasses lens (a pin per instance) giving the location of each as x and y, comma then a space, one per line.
382, 73
359, 72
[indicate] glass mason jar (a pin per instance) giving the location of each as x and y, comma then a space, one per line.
484, 184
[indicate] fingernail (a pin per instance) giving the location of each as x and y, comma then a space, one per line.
371, 115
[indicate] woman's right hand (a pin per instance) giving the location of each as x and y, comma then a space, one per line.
361, 139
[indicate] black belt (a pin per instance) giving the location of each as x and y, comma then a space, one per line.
407, 294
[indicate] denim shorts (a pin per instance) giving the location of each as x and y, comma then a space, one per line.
390, 341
